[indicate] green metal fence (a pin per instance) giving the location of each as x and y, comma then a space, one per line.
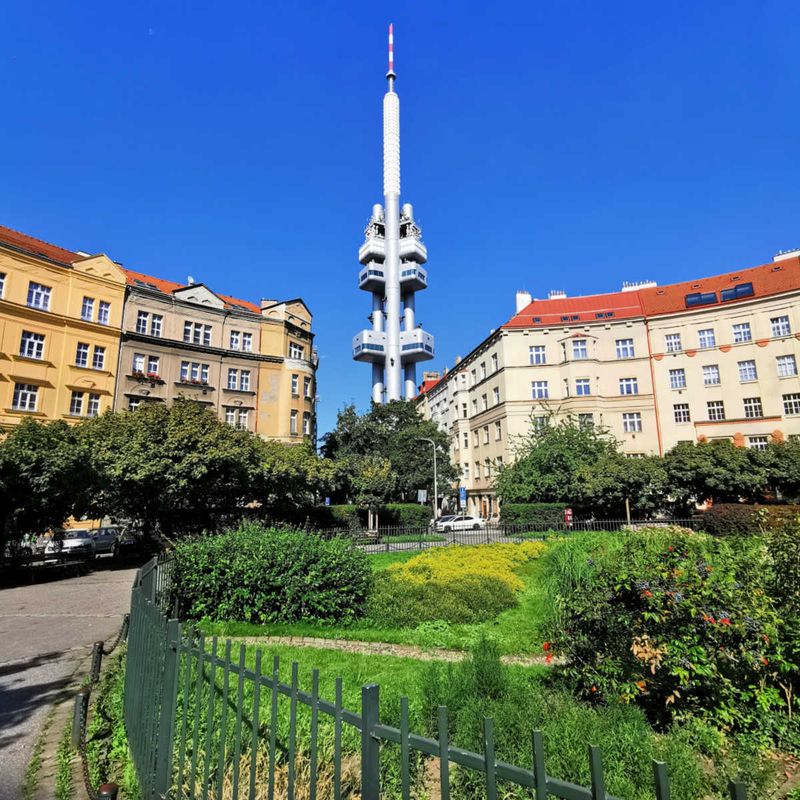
207, 720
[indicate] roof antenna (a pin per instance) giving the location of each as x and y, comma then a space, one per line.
390, 75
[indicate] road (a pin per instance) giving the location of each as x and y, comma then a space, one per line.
46, 631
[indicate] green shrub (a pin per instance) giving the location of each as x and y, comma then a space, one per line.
540, 515
742, 519
260, 575
406, 515
678, 624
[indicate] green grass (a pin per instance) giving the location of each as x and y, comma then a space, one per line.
64, 756
30, 783
379, 561
404, 539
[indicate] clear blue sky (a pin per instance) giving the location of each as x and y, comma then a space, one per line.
566, 145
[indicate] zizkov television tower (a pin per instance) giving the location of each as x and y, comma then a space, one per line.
392, 256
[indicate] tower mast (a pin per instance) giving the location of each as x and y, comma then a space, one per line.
392, 254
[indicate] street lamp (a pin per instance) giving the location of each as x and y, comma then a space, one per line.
435, 476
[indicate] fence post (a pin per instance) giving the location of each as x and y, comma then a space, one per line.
370, 745
108, 790
169, 696
79, 716
97, 660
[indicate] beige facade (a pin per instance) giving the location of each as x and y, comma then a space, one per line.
237, 358
646, 363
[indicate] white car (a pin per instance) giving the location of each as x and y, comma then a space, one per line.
462, 522
71, 543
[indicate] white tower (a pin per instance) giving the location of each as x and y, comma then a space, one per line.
392, 255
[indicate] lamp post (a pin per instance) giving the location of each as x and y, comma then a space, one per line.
435, 476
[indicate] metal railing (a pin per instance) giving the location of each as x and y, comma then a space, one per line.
210, 721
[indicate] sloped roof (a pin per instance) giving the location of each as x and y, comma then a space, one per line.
37, 247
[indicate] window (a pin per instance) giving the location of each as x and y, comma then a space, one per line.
185, 367
207, 335
197, 333
474, 406
2, 283
791, 403
141, 323
230, 416
137, 366
152, 365
780, 326
757, 442
235, 340
539, 390
747, 371
247, 342
496, 395
293, 422
82, 355
586, 420
87, 309
632, 422
31, 345
475, 438
624, 348
579, 349
582, 387
134, 403
99, 358
76, 404
306, 424
711, 375
306, 387
498, 431
483, 370
486, 434
700, 299
295, 350
487, 468
537, 354
628, 386
677, 379
194, 372
466, 439
673, 342
681, 412
741, 332
94, 405
499, 463
706, 338
466, 470
752, 408
540, 422
484, 402
787, 366
464, 410
495, 362
103, 312
295, 384
473, 377
735, 292
156, 325
244, 380
38, 297
25, 397
233, 378
716, 410
477, 470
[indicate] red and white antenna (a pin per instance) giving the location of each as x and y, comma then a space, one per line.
391, 50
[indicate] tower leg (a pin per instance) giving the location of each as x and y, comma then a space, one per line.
410, 375
377, 383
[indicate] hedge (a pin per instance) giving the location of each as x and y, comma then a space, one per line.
545, 515
741, 519
406, 515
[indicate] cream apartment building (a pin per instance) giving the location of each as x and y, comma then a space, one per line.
711, 358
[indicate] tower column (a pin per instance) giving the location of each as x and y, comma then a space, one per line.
377, 312
410, 376
408, 311
377, 383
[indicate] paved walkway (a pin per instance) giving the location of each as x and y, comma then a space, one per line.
383, 649
46, 632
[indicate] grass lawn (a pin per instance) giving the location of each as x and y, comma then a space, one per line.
408, 539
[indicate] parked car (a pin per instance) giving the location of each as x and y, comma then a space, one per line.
462, 522
72, 543
106, 540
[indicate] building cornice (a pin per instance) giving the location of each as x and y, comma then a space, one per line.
176, 344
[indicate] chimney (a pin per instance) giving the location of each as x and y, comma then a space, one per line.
267, 303
632, 286
430, 376
523, 299
189, 280
782, 255
556, 294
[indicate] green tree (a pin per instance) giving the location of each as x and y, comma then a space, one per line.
781, 460
43, 479
556, 463
293, 475
393, 431
175, 468
373, 483
614, 478
718, 471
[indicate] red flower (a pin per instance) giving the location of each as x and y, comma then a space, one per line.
548, 658
671, 548
593, 689
648, 594
546, 646
764, 660
724, 621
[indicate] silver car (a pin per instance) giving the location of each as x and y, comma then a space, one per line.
462, 522
106, 540
71, 543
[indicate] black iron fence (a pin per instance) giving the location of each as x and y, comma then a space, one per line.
207, 719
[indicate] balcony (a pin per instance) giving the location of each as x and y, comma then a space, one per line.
416, 345
372, 279
373, 249
369, 346
413, 278
412, 249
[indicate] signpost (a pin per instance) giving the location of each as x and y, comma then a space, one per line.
462, 497
568, 517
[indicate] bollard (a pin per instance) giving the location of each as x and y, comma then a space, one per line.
79, 715
97, 660
108, 790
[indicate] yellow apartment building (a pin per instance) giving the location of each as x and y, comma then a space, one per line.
60, 318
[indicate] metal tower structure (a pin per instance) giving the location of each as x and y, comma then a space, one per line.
392, 256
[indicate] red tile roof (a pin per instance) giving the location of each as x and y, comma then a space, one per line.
767, 279
37, 247
426, 386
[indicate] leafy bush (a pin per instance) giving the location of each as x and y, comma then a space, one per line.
541, 515
257, 574
406, 515
457, 585
741, 519
678, 624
